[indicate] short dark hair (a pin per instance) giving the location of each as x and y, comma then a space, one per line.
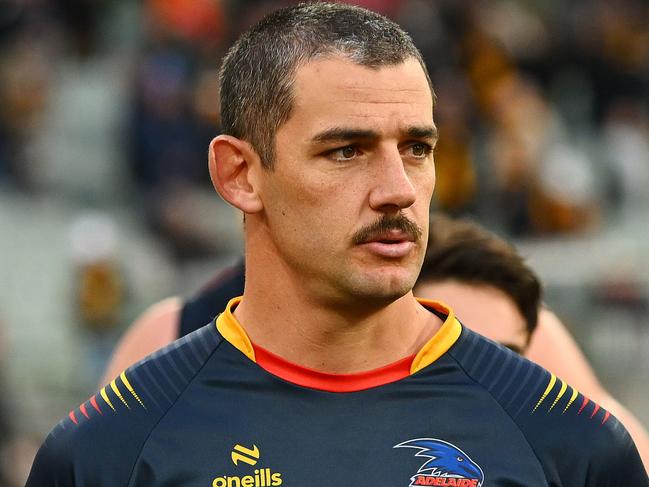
463, 251
258, 71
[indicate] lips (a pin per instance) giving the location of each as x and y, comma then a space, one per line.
393, 244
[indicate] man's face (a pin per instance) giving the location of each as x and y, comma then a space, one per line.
346, 205
484, 309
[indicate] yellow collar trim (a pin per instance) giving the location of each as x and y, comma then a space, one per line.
441, 341
446, 336
232, 330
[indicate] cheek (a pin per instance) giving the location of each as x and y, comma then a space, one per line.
322, 197
424, 186
423, 180
304, 213
429, 180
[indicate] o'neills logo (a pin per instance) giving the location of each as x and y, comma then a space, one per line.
261, 478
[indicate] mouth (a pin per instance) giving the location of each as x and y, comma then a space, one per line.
393, 244
390, 237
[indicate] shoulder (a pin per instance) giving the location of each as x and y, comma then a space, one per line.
154, 383
99, 442
573, 437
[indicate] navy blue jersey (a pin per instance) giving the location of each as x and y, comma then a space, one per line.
204, 413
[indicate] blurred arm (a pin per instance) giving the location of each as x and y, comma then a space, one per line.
553, 347
155, 328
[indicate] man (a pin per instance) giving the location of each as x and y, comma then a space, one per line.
480, 276
328, 371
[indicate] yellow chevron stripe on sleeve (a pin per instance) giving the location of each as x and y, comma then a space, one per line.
113, 386
130, 388
553, 380
105, 397
562, 391
575, 393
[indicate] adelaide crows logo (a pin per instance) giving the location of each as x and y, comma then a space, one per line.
447, 465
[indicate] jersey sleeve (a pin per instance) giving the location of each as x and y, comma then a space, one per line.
96, 445
49, 468
577, 442
99, 443
616, 461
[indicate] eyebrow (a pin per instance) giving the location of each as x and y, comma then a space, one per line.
338, 134
424, 132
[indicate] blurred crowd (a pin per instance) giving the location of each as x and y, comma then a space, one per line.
543, 106
543, 110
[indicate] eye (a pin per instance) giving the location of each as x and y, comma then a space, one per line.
460, 459
344, 153
420, 149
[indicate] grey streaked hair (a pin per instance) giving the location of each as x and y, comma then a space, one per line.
258, 71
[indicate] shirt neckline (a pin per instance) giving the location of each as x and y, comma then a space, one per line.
230, 328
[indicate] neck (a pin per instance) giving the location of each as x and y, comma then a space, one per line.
280, 314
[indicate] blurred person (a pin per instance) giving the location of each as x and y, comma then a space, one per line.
170, 128
546, 184
25, 80
493, 290
100, 291
483, 279
100, 287
625, 145
567, 196
541, 181
198, 21
613, 50
78, 149
17, 449
456, 186
175, 116
173, 318
285, 386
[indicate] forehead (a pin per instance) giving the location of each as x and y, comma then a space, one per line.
332, 90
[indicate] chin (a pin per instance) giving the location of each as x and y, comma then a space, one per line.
384, 288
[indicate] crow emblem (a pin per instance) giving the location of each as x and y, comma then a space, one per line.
447, 465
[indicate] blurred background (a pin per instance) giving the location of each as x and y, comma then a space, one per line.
107, 108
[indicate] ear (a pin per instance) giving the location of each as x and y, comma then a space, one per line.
232, 164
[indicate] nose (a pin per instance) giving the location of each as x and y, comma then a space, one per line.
393, 189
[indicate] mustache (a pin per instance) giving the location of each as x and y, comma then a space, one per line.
387, 223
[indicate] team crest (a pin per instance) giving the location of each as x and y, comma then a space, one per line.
447, 465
